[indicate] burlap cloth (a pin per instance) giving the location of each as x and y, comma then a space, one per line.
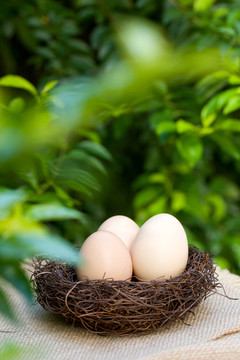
214, 333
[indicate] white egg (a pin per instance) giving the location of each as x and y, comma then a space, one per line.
105, 256
160, 249
122, 226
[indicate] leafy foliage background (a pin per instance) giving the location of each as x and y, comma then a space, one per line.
171, 148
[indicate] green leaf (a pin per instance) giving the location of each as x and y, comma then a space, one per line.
219, 12
232, 105
208, 120
226, 30
80, 176
11, 351
76, 186
209, 111
13, 273
178, 201
229, 125
158, 206
79, 45
65, 197
14, 351
95, 149
17, 105
158, 178
30, 176
38, 243
165, 127
5, 307
49, 86
190, 148
91, 135
227, 145
88, 159
45, 52
217, 206
234, 79
9, 198
42, 164
195, 205
145, 196
184, 126
203, 5
19, 82
235, 246
12, 141
49, 212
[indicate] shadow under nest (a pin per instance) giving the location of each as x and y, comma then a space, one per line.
123, 307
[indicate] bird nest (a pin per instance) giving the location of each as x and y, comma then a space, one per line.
123, 307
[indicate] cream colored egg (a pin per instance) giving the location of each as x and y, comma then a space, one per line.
122, 226
105, 256
160, 250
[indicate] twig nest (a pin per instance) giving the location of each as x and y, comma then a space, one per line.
123, 307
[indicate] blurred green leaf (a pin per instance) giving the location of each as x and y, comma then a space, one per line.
203, 5
190, 148
17, 81
207, 120
68, 174
234, 79
9, 198
42, 163
10, 351
95, 149
84, 157
24, 245
49, 86
12, 141
16, 276
232, 105
218, 206
184, 126
49, 212
178, 201
30, 176
229, 125
165, 127
64, 196
79, 45
227, 145
5, 306
17, 105
14, 351
145, 196
156, 207
209, 111
235, 246
77, 186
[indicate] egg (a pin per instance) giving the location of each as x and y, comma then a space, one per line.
122, 226
104, 256
160, 250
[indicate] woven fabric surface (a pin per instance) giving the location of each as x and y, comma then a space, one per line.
213, 333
